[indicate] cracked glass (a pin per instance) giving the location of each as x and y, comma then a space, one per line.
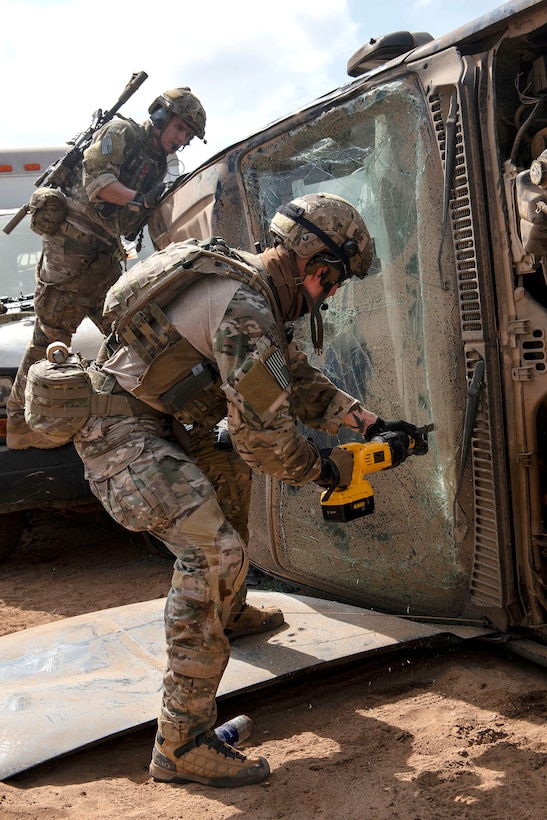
392, 340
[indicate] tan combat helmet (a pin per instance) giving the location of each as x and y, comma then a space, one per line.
329, 227
183, 104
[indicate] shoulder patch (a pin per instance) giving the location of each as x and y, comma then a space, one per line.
277, 366
264, 384
106, 145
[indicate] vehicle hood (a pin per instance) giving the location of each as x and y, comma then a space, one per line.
16, 333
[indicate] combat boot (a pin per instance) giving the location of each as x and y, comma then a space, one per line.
250, 620
19, 436
205, 759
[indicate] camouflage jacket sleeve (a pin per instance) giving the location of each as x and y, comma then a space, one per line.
317, 401
260, 390
104, 157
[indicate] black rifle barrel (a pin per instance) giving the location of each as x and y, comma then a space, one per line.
134, 83
16, 218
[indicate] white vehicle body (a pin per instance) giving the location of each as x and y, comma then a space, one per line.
20, 168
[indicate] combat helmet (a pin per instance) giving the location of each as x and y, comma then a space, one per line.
183, 104
328, 227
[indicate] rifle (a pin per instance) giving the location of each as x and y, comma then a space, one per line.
59, 172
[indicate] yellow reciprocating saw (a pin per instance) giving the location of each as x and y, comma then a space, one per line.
381, 453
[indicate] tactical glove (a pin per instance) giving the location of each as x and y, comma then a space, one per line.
380, 426
336, 467
153, 197
399, 442
137, 204
148, 200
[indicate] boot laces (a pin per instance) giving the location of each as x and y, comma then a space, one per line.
213, 742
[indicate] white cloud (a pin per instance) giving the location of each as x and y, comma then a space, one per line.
249, 62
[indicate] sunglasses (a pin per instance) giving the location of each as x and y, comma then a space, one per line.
337, 273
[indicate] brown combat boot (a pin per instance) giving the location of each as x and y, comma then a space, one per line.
250, 620
207, 760
19, 436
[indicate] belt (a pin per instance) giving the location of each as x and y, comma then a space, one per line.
109, 245
109, 399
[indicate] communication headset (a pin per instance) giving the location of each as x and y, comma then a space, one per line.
343, 253
164, 107
160, 117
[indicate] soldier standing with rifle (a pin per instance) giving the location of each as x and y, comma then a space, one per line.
104, 188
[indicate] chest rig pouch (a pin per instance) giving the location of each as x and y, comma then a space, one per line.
187, 385
61, 394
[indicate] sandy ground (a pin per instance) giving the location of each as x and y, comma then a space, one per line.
458, 734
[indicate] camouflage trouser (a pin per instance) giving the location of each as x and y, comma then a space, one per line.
231, 478
74, 272
149, 483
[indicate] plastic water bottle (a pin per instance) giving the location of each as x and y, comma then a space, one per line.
236, 730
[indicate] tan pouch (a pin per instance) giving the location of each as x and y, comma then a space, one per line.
47, 209
58, 397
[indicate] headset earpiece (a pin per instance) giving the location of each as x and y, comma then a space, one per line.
350, 248
160, 117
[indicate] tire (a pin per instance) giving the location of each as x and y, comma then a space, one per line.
12, 525
157, 546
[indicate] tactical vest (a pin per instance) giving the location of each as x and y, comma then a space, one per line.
136, 171
141, 168
177, 375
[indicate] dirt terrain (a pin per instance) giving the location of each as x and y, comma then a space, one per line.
429, 736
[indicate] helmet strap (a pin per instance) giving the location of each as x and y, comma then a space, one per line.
316, 320
316, 328
296, 214
298, 281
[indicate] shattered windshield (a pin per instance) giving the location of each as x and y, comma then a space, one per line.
375, 151
388, 338
372, 151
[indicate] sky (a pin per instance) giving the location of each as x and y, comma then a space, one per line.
249, 62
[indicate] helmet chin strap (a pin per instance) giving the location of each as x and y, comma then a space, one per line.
314, 305
316, 327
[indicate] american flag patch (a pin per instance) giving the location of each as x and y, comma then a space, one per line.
277, 366
106, 145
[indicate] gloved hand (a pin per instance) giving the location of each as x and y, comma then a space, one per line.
336, 467
149, 200
153, 197
137, 204
399, 442
380, 426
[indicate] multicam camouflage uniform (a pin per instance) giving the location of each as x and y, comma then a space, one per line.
148, 481
83, 258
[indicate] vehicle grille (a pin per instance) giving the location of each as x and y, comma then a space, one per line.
486, 581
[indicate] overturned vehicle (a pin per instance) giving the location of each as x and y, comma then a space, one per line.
442, 149
441, 145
